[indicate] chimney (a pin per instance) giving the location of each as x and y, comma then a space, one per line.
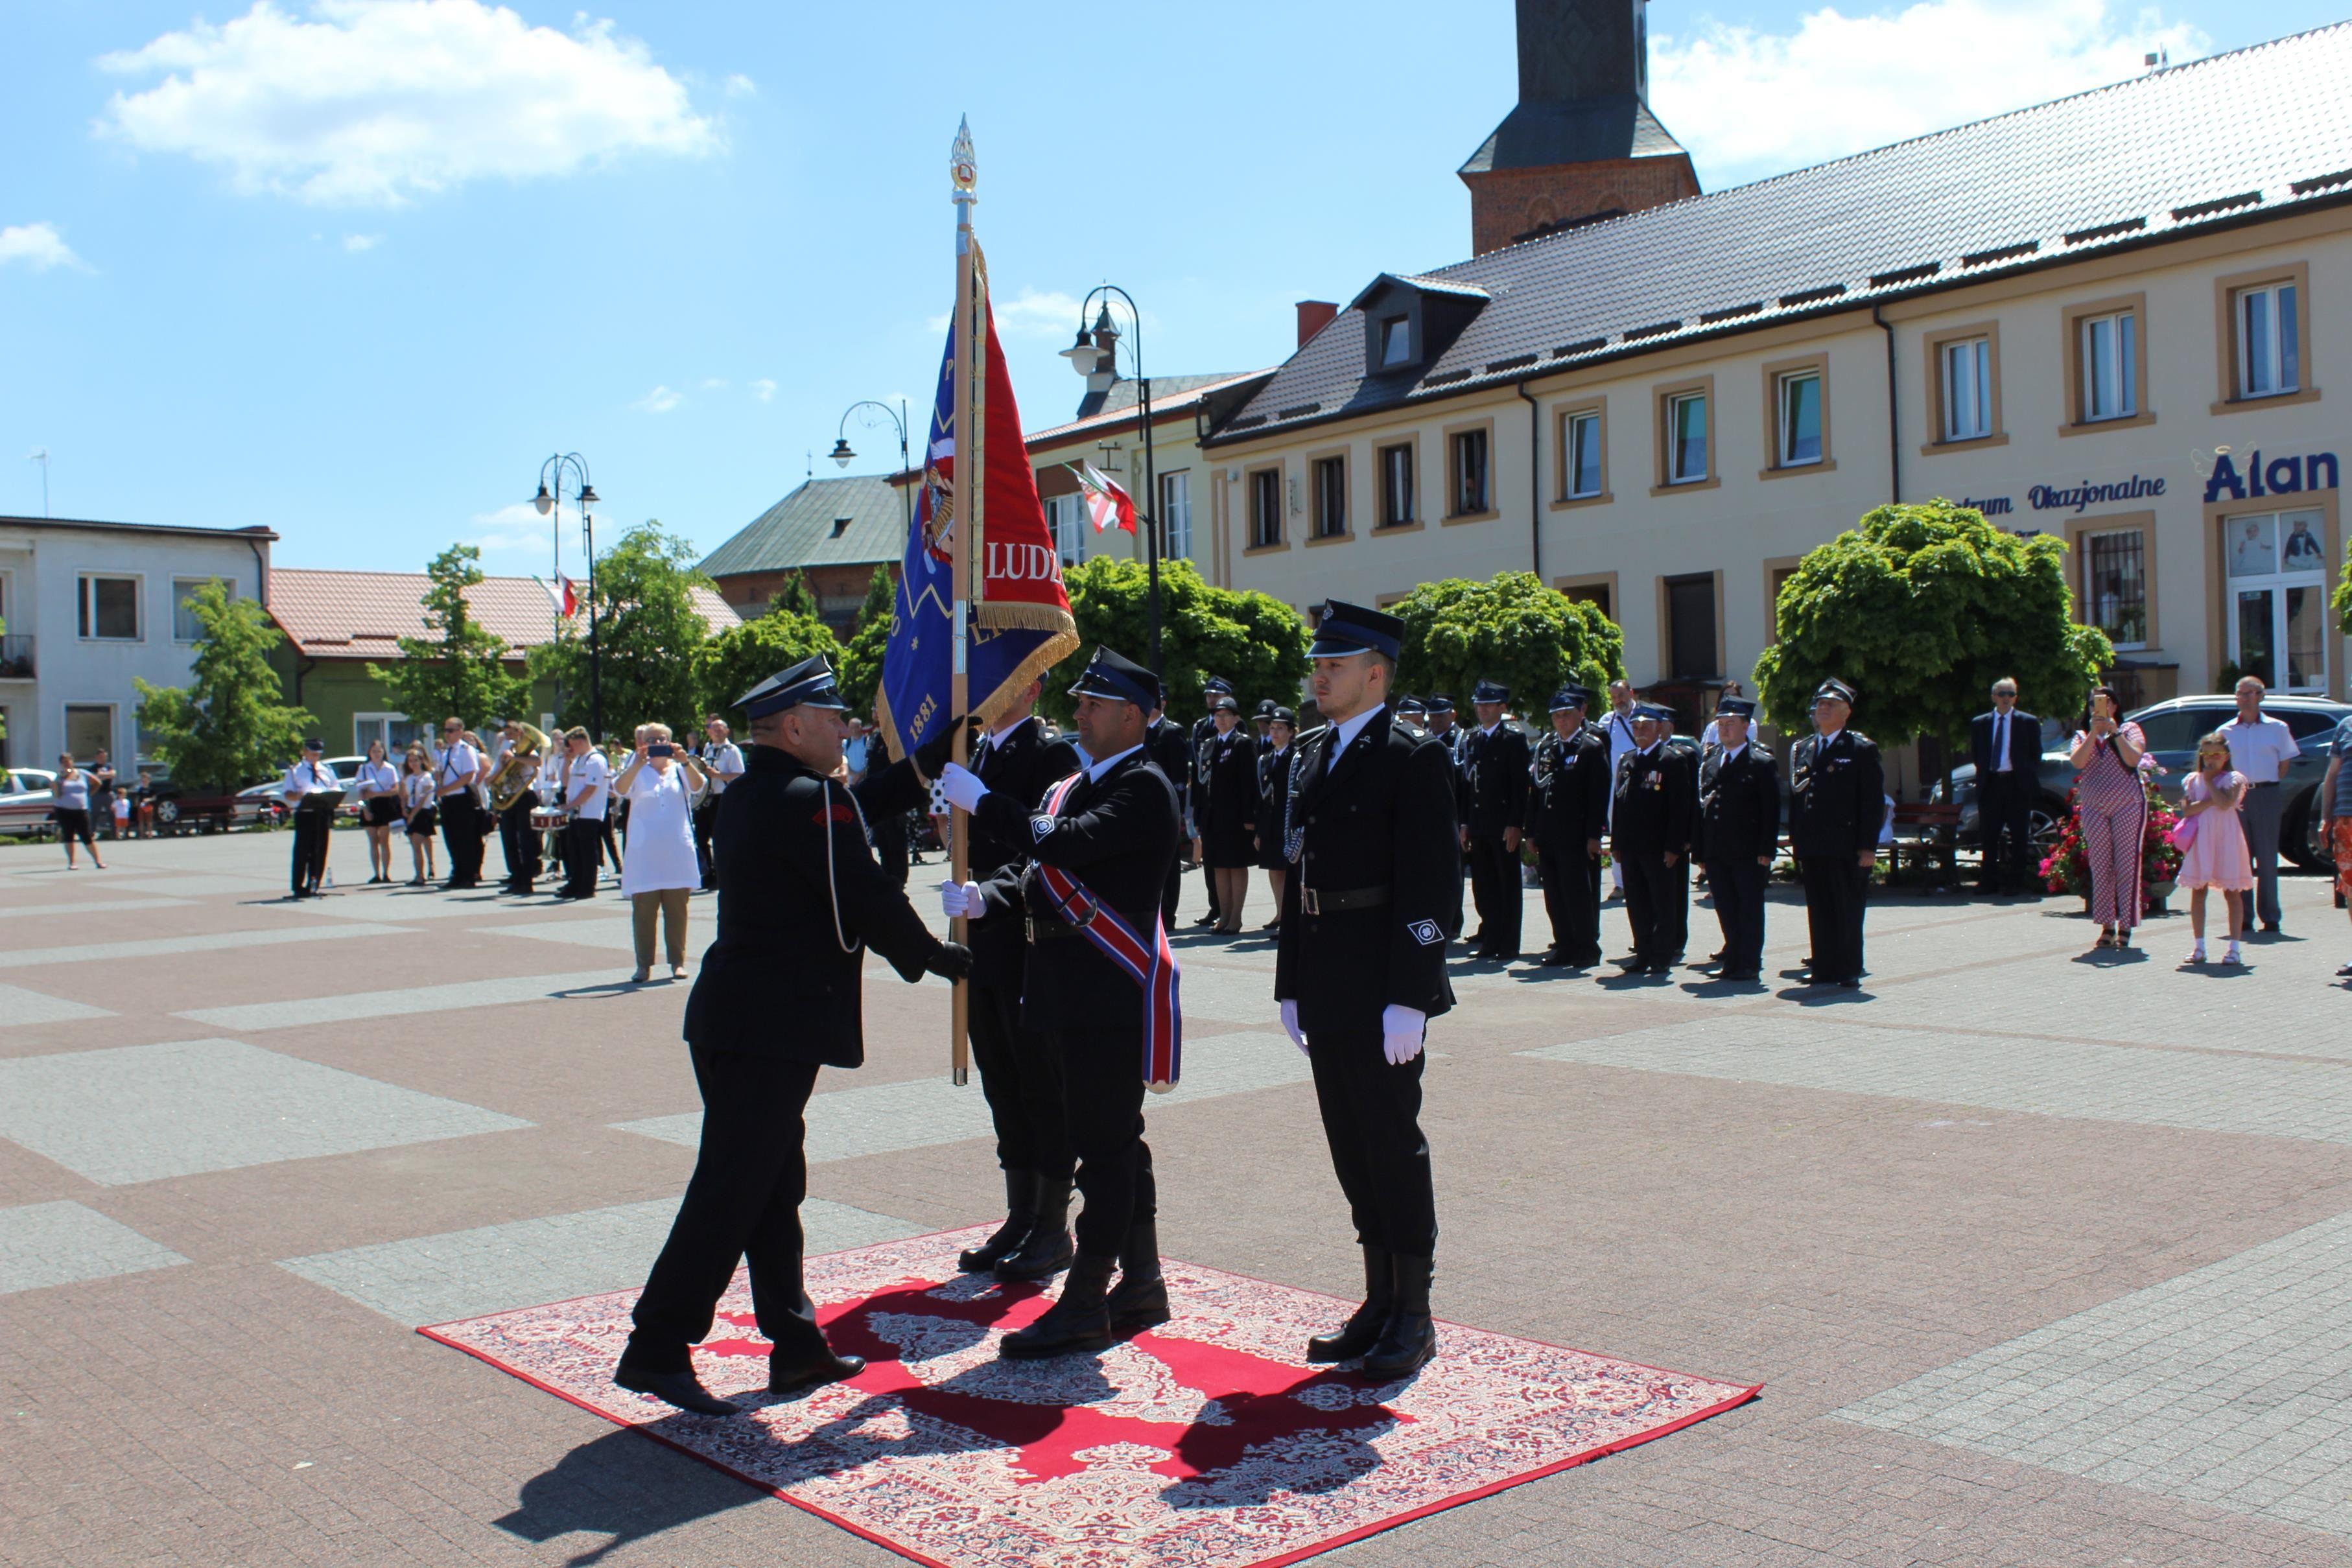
1314, 315
1583, 144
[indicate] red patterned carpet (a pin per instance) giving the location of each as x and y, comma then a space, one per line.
1205, 1443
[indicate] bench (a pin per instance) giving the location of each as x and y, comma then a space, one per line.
1930, 833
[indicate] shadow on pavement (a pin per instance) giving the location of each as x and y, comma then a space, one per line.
623, 1487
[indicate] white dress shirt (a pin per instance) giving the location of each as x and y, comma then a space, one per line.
1344, 732
590, 783
2261, 750
724, 764
1094, 771
452, 768
305, 777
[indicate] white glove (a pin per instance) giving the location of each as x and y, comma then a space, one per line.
961, 900
961, 786
1290, 1022
1400, 1033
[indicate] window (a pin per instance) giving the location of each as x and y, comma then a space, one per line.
1776, 577
90, 729
1685, 438
109, 609
1396, 485
2109, 351
1581, 441
1594, 592
1799, 403
1396, 341
1265, 507
1467, 454
2270, 349
1968, 389
1330, 475
184, 626
2115, 585
1066, 515
1176, 515
2277, 606
396, 730
1690, 627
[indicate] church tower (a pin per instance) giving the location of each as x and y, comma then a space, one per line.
1582, 144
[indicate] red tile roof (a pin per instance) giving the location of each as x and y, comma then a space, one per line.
361, 614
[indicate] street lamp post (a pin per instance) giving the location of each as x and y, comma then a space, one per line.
1097, 360
550, 500
842, 457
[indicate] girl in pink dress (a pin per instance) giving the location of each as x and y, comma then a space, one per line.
2217, 857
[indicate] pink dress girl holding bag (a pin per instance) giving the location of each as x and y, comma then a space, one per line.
2215, 856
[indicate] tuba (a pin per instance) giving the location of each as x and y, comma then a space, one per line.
519, 769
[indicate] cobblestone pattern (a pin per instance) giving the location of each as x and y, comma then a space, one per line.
370, 1006
62, 1243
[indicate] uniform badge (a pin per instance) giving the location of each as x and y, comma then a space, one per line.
1039, 826
1427, 932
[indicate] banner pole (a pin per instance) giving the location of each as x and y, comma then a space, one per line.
965, 488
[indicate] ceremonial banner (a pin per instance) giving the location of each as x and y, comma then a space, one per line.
1021, 623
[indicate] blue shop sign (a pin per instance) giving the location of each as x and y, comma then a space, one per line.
2279, 476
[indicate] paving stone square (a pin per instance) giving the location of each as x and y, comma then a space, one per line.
2041, 1260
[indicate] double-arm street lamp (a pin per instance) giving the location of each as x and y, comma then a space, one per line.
550, 500
842, 457
1095, 356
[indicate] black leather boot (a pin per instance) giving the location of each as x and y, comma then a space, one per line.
1408, 1340
1021, 1188
1046, 1251
1362, 1329
682, 1389
1080, 1320
1140, 1301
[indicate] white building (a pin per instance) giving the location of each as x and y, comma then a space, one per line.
89, 606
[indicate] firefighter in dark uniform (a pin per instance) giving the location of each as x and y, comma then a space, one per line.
1495, 762
1837, 799
1412, 714
1193, 786
1653, 820
1168, 745
1740, 829
1264, 720
1114, 833
1359, 970
1020, 1070
800, 898
1567, 812
1437, 712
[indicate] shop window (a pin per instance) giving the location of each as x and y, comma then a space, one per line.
2278, 615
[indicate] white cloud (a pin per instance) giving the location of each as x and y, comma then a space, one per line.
741, 85
374, 103
764, 390
661, 400
512, 530
714, 383
1749, 103
1032, 313
37, 245
356, 243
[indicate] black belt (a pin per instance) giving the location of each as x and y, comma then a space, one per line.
1050, 930
1315, 901
2262, 784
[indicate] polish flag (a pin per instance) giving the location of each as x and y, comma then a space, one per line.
1106, 502
570, 595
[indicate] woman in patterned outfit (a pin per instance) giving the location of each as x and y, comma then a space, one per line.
2111, 805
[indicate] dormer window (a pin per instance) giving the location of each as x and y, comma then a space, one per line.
1396, 340
841, 525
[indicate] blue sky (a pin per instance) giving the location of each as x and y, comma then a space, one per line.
352, 269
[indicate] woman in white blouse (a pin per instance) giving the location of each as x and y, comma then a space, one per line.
660, 874
379, 807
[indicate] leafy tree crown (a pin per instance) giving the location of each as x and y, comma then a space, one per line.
732, 662
461, 669
1511, 628
229, 725
1254, 640
649, 635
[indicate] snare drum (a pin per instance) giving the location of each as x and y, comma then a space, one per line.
548, 820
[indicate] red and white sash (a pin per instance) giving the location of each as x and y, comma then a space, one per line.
1152, 963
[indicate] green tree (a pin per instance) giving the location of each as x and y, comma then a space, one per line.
795, 595
1511, 628
230, 727
461, 669
1254, 640
648, 634
728, 666
1920, 607
861, 660
2342, 602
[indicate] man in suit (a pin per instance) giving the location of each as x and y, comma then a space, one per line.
1172, 748
800, 898
1568, 812
1020, 1069
2006, 747
1106, 843
1837, 799
1495, 768
1653, 818
1739, 829
1359, 970
1204, 730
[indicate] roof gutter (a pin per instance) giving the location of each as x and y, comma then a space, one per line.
1893, 426
1535, 480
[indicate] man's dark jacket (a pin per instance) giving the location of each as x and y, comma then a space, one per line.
1738, 805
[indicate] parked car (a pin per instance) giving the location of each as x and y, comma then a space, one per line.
25, 801
2173, 729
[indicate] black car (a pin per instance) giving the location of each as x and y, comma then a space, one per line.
2173, 729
